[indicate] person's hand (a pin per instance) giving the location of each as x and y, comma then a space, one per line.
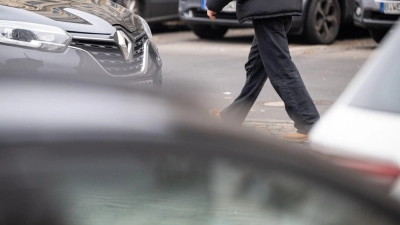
211, 14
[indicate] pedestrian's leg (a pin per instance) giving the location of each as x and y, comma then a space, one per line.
283, 74
256, 76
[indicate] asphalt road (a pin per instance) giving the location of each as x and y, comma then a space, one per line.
212, 72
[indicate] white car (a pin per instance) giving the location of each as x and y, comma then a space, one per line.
362, 128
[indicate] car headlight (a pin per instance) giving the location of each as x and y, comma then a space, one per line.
146, 28
33, 35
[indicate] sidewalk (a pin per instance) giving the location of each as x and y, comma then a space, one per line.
273, 128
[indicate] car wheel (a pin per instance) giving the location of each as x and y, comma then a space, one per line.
209, 32
377, 34
323, 21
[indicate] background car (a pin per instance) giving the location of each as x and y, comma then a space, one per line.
85, 153
376, 16
153, 11
97, 40
360, 130
319, 23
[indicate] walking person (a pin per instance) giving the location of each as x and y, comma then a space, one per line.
269, 58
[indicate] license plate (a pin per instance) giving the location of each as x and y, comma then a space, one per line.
203, 4
390, 7
231, 7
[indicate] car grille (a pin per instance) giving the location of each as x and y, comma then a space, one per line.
381, 16
370, 14
110, 56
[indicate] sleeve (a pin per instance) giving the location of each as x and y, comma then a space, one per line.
217, 5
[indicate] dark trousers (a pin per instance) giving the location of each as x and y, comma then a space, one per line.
270, 58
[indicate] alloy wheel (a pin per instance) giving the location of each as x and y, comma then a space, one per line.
326, 18
323, 21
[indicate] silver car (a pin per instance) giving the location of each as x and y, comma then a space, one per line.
378, 16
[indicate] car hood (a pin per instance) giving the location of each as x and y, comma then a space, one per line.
83, 16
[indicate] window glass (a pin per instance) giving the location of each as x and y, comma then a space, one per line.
170, 189
381, 90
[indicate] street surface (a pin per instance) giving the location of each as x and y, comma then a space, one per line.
212, 72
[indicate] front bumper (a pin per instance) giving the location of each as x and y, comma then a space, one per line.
371, 17
74, 62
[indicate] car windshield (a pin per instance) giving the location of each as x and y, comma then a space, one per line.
381, 90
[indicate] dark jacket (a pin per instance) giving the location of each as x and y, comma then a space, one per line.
258, 9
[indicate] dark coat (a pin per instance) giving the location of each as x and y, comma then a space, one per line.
258, 9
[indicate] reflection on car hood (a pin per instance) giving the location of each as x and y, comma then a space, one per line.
80, 16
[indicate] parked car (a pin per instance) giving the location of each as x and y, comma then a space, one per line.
83, 153
153, 11
376, 16
319, 23
360, 130
97, 39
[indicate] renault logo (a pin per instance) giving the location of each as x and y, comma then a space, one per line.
125, 44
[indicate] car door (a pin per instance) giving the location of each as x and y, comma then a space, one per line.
174, 182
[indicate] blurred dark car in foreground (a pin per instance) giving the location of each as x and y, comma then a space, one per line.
320, 22
153, 11
377, 16
83, 154
361, 129
77, 38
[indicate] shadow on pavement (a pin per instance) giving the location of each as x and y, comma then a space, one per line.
347, 32
248, 38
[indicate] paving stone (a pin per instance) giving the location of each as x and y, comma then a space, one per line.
270, 128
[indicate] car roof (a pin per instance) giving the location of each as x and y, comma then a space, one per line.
58, 108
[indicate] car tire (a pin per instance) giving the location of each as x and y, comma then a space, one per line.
377, 34
323, 22
208, 31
